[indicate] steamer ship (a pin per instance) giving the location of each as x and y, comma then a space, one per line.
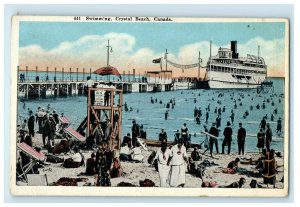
228, 70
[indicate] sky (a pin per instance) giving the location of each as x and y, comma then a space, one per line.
135, 45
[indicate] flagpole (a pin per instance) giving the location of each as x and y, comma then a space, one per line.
108, 46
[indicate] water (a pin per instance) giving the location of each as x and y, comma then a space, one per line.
152, 116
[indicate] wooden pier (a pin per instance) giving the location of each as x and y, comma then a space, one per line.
30, 89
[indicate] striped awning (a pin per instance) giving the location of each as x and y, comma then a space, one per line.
72, 132
31, 151
64, 120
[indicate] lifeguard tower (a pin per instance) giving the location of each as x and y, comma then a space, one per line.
104, 109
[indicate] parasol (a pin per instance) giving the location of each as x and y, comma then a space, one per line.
108, 70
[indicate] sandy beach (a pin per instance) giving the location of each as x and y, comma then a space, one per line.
135, 172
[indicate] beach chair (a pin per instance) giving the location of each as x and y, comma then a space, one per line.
64, 121
76, 136
34, 157
37, 180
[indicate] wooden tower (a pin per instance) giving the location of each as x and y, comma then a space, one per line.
105, 109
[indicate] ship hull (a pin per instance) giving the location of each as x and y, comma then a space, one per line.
230, 85
230, 80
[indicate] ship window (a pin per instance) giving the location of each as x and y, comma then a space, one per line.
222, 69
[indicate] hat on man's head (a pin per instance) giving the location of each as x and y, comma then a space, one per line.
180, 141
240, 124
228, 123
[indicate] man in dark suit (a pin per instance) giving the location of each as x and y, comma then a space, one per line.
241, 139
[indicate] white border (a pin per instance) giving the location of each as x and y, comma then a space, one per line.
126, 191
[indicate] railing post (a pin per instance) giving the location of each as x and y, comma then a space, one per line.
47, 71
70, 73
55, 74
63, 74
83, 74
27, 73
77, 74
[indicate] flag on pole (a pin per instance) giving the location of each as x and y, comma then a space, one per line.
158, 60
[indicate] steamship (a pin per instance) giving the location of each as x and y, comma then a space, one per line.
228, 70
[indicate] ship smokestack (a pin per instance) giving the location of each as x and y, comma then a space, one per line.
235, 55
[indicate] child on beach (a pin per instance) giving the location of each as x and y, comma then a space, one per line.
232, 166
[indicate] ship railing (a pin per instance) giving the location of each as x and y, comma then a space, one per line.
234, 65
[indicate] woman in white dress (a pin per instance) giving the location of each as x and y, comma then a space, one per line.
177, 162
162, 156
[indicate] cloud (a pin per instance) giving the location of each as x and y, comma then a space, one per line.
91, 52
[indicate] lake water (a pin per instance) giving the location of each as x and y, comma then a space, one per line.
152, 116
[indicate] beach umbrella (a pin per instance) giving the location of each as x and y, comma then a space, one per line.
108, 70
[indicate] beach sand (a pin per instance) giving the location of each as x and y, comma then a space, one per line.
134, 172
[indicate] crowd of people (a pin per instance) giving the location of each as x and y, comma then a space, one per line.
172, 162
44, 121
